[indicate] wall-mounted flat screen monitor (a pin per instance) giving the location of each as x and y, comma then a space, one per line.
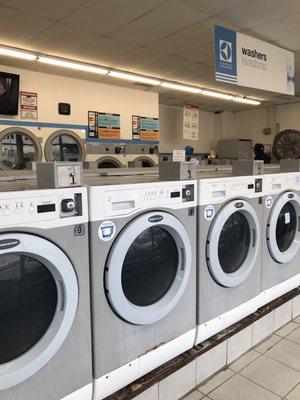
9, 93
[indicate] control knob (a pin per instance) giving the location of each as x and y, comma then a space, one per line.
67, 205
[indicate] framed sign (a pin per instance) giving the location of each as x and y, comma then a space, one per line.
144, 128
93, 124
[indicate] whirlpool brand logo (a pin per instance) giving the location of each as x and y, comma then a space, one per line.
8, 243
239, 205
225, 51
155, 218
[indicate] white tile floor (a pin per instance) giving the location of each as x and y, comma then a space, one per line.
269, 371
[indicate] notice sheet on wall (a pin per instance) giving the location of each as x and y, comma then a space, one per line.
190, 122
29, 108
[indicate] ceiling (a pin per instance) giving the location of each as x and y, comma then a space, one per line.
169, 39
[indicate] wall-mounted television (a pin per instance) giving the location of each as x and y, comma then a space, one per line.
9, 93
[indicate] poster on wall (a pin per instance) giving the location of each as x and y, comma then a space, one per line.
144, 128
246, 61
190, 122
92, 124
29, 107
108, 125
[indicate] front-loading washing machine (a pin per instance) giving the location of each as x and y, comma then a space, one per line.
142, 155
281, 235
19, 146
229, 251
45, 328
106, 155
63, 144
143, 277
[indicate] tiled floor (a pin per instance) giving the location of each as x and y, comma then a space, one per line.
270, 371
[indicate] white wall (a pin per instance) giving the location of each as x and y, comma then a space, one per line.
84, 96
171, 130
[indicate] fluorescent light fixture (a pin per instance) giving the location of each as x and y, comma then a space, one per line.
134, 78
219, 95
247, 101
177, 86
17, 54
72, 65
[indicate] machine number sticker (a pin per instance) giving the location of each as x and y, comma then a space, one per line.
209, 212
269, 201
107, 231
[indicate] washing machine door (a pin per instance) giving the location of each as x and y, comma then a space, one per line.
18, 146
64, 145
148, 268
283, 230
38, 302
233, 243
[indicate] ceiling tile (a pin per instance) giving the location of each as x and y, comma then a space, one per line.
258, 12
214, 6
200, 53
49, 9
103, 16
282, 28
61, 40
291, 42
17, 28
138, 57
165, 20
196, 35
175, 68
103, 50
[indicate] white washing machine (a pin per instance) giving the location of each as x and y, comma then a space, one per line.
45, 332
229, 251
143, 269
281, 235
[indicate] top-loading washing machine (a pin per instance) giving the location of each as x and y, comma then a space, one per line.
229, 251
281, 235
143, 269
45, 329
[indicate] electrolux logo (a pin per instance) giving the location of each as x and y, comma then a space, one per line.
225, 49
8, 243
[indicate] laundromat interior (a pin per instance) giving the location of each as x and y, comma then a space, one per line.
149, 200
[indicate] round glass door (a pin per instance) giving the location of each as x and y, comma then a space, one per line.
283, 235
38, 301
28, 299
144, 162
18, 147
109, 162
148, 268
64, 145
233, 243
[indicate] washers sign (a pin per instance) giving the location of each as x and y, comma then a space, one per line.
269, 201
209, 212
106, 230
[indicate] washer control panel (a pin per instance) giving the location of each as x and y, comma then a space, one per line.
22, 209
215, 190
